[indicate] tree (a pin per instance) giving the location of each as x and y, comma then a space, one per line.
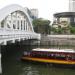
41, 26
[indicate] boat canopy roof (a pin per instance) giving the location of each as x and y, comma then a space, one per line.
54, 50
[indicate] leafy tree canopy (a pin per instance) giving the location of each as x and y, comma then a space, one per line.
41, 26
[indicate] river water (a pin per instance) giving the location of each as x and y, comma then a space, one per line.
12, 65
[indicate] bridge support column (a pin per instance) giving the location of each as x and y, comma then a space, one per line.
0, 61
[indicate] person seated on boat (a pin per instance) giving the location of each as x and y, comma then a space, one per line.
68, 57
26, 53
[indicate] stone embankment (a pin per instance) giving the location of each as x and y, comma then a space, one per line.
58, 40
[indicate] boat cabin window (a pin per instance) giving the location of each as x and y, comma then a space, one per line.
53, 55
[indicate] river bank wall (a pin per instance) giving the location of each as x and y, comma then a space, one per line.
58, 40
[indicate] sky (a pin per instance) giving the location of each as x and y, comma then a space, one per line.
46, 8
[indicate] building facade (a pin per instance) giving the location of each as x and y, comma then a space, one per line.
65, 18
71, 5
34, 13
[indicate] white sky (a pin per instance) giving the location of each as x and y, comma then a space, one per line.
46, 8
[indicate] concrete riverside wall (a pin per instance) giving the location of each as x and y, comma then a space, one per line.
58, 40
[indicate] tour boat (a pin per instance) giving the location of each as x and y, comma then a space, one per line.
56, 56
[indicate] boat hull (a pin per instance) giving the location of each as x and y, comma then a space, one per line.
54, 61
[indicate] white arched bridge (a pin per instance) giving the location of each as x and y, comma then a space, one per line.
15, 24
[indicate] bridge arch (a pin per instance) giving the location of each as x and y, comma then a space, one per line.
14, 8
15, 24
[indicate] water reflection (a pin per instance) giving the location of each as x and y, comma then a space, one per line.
30, 70
12, 65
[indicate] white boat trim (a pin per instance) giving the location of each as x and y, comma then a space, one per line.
54, 50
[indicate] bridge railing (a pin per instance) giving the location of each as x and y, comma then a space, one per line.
7, 35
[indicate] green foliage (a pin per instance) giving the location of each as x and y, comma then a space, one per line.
41, 26
65, 30
59, 30
72, 30
54, 30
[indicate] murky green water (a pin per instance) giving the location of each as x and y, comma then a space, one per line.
12, 65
